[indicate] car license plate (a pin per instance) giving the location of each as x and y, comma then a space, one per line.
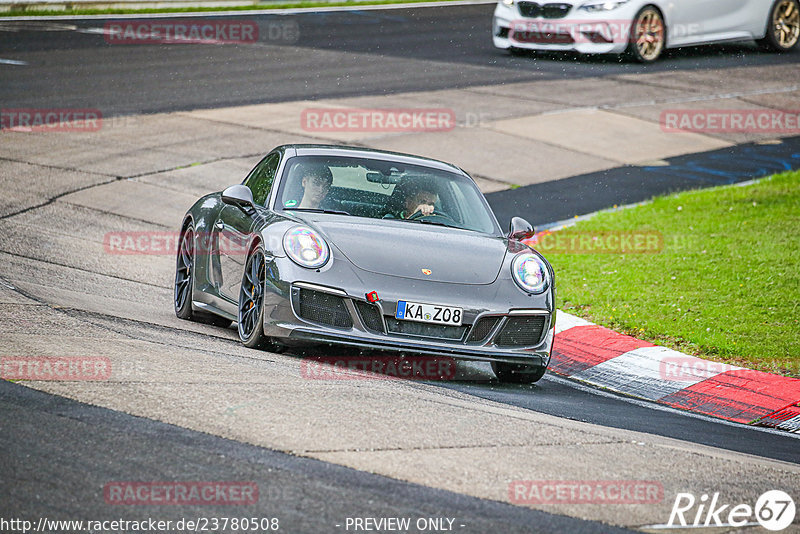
428, 313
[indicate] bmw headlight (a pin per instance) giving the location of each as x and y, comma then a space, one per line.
594, 7
508, 2
530, 273
305, 247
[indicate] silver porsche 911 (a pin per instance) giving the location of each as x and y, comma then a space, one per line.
378, 251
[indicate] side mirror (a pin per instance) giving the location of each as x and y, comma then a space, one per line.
520, 229
239, 196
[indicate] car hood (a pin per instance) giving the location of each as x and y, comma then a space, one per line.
411, 250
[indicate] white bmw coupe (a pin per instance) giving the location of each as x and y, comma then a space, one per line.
643, 29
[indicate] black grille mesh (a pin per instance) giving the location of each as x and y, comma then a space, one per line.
548, 11
324, 308
412, 328
555, 11
482, 328
529, 9
370, 315
521, 331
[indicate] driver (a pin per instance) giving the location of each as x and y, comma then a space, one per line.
418, 198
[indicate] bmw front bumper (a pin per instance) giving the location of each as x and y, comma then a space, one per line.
578, 31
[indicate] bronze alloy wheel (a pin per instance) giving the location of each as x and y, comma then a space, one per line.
648, 35
786, 23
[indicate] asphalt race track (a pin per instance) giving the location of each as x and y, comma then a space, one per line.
333, 54
560, 200
86, 446
191, 404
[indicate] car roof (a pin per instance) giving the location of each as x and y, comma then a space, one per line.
343, 150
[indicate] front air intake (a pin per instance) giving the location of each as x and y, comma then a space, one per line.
370, 316
323, 308
523, 331
482, 329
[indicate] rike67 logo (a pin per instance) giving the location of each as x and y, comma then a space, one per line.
774, 510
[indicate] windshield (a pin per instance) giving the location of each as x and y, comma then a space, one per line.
377, 189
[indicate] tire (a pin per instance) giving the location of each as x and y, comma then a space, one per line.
648, 37
184, 275
251, 302
518, 373
184, 282
783, 27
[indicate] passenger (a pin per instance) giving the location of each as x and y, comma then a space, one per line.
316, 181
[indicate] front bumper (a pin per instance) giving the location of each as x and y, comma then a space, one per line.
536, 358
578, 31
499, 304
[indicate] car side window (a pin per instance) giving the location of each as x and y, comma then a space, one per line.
260, 180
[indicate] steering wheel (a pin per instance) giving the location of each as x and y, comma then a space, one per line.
418, 215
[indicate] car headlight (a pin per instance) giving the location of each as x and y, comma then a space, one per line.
530, 273
305, 247
508, 2
594, 7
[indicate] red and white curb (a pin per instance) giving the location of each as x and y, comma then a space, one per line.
598, 356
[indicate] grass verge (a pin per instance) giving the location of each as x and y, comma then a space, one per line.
256, 7
725, 284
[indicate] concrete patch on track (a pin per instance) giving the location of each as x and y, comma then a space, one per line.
606, 91
41, 182
654, 113
508, 164
736, 80
153, 204
200, 178
646, 141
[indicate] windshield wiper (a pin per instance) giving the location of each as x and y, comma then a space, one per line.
435, 223
318, 210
